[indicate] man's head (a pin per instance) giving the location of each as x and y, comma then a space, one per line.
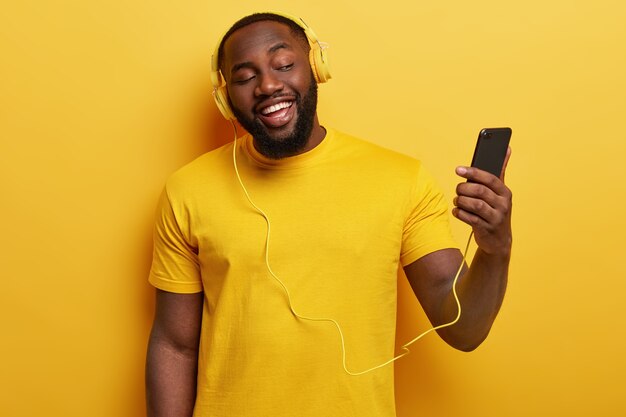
296, 30
264, 61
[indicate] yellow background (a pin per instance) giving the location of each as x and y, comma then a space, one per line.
100, 101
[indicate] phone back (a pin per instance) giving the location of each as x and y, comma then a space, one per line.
491, 149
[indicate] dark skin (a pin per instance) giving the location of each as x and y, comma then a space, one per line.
172, 358
264, 65
485, 204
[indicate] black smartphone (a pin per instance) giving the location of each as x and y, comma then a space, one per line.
491, 148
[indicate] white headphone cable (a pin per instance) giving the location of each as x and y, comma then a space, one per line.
323, 319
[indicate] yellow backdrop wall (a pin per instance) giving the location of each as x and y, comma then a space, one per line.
100, 101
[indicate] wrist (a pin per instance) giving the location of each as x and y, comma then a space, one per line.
501, 253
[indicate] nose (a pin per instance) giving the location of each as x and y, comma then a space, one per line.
267, 84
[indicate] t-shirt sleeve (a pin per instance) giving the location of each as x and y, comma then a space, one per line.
427, 227
175, 265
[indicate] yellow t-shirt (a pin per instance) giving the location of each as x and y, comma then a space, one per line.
343, 217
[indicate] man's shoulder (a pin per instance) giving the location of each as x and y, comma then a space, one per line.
372, 154
202, 170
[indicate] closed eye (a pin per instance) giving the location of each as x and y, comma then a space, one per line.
244, 81
285, 67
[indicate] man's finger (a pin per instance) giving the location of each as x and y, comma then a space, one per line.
506, 162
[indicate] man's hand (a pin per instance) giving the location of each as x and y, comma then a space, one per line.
484, 202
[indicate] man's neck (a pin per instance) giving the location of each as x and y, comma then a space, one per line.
318, 133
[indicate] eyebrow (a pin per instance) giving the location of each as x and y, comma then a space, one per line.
278, 46
248, 64
241, 65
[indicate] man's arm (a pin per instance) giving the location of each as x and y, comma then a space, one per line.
172, 359
485, 204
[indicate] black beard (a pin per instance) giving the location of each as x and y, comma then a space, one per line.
292, 144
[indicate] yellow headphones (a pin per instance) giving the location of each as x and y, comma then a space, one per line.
317, 58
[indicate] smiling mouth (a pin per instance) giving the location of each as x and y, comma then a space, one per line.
276, 107
277, 115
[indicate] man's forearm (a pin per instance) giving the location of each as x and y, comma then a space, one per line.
481, 291
171, 375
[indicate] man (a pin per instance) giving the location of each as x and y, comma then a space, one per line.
343, 213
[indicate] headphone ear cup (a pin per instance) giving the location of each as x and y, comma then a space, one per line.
220, 95
221, 100
319, 63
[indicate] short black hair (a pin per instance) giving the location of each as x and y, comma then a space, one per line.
295, 29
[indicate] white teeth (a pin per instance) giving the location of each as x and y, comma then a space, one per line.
276, 107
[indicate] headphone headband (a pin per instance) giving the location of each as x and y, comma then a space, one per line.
317, 58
